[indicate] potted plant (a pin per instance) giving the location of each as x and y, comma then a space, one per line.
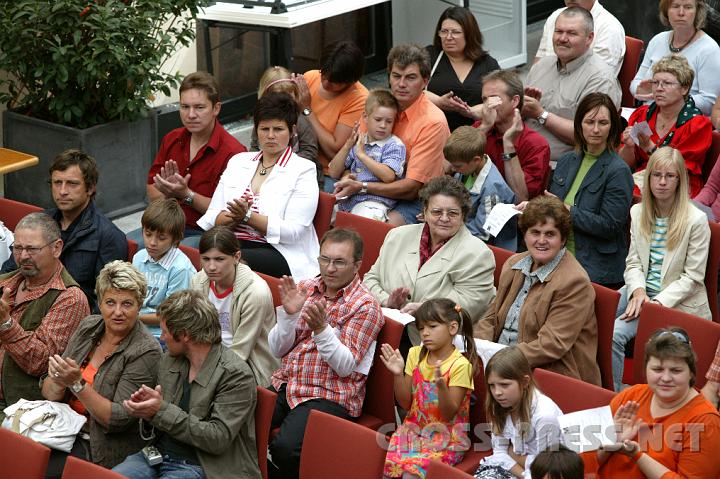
82, 73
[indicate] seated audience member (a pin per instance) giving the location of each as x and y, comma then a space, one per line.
465, 151
711, 390
202, 410
304, 143
377, 155
669, 240
609, 40
523, 421
686, 18
666, 428
108, 358
325, 334
557, 462
596, 187
166, 268
192, 158
242, 299
435, 388
332, 99
437, 259
710, 194
459, 63
40, 308
545, 302
521, 154
556, 84
674, 121
90, 240
421, 126
269, 198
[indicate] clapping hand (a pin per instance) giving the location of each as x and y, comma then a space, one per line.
398, 297
170, 182
64, 371
627, 426
291, 297
314, 316
438, 378
238, 208
145, 402
643, 92
392, 359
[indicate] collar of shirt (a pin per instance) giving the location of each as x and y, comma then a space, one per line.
319, 287
414, 111
166, 261
13, 284
482, 176
543, 271
380, 143
282, 162
574, 64
213, 143
425, 251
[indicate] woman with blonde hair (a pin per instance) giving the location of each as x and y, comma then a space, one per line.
668, 252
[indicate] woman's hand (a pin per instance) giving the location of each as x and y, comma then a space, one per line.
521, 206
627, 424
398, 297
238, 208
645, 143
392, 359
637, 300
410, 308
64, 371
644, 90
291, 297
626, 138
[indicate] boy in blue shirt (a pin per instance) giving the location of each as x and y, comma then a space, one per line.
166, 268
465, 151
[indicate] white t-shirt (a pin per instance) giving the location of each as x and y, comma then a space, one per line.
223, 304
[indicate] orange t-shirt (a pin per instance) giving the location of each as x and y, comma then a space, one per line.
687, 441
344, 109
88, 374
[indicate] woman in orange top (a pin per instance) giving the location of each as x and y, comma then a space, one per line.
667, 428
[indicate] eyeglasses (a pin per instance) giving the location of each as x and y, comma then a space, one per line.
439, 213
669, 177
324, 261
450, 33
663, 83
30, 250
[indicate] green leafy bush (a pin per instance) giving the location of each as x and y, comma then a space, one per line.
85, 62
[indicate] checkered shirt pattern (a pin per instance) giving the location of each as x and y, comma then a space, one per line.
713, 373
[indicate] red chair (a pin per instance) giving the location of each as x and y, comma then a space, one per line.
78, 469
334, 447
704, 336
633, 51
379, 405
263, 420
12, 211
22, 457
571, 394
711, 156
193, 254
501, 255
439, 470
372, 232
479, 429
274, 284
132, 249
711, 270
606, 303
323, 214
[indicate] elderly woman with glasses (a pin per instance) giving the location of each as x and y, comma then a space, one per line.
666, 428
672, 120
436, 259
669, 240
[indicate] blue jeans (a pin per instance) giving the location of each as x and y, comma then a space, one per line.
191, 239
409, 210
136, 466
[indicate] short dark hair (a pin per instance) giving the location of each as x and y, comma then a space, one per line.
672, 343
406, 54
448, 186
513, 83
202, 81
343, 235
165, 216
276, 106
342, 62
592, 103
557, 462
542, 208
473, 36
586, 16
220, 237
86, 163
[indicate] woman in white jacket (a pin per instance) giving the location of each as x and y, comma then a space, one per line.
269, 198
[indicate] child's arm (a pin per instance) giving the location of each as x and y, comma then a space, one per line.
383, 172
449, 397
336, 167
150, 319
396, 365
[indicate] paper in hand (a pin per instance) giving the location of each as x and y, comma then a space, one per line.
498, 216
640, 128
589, 429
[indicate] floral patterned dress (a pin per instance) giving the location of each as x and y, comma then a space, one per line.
424, 436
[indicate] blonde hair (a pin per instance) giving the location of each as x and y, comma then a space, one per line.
122, 276
666, 157
677, 66
277, 79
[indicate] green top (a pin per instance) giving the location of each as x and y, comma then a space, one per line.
587, 162
470, 181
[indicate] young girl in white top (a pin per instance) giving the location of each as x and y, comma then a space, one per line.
523, 421
435, 386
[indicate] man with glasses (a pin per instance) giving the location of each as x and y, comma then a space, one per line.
325, 334
40, 307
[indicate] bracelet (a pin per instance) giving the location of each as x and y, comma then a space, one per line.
636, 457
652, 150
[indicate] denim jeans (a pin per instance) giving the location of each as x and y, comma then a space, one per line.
623, 332
136, 466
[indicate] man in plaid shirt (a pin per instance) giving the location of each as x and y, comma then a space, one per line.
711, 390
325, 334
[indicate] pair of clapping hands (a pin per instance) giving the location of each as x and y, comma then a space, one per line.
293, 299
393, 360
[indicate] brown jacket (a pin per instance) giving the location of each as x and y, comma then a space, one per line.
557, 325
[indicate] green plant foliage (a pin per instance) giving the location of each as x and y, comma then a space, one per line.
85, 62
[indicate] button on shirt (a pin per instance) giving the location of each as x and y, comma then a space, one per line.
509, 334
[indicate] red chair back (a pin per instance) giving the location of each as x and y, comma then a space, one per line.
372, 232
379, 406
274, 284
132, 249
263, 420
78, 469
193, 254
711, 157
323, 214
334, 447
501, 255
606, 303
633, 51
22, 457
439, 470
479, 429
704, 336
571, 394
711, 270
12, 211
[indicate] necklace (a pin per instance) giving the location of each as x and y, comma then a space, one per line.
679, 49
264, 169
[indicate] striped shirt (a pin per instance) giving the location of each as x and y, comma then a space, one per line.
658, 248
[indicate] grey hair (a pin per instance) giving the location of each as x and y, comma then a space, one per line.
43, 222
122, 276
586, 16
190, 312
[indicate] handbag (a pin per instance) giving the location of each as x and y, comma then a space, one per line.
50, 423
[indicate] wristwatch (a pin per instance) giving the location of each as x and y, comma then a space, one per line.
6, 325
188, 200
247, 216
363, 190
543, 117
77, 386
508, 156
306, 111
